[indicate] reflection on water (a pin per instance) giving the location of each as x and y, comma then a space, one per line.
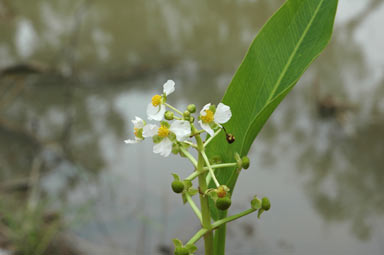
75, 72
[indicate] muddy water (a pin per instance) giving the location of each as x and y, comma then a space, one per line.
76, 73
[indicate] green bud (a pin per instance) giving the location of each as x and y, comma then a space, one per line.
265, 204
256, 203
177, 186
223, 203
245, 162
181, 251
191, 119
186, 114
191, 108
156, 139
168, 115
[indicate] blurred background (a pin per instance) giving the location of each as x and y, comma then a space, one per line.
73, 73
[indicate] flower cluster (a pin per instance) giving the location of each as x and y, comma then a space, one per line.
168, 136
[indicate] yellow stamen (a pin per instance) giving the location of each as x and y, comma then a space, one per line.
136, 131
208, 118
156, 100
163, 131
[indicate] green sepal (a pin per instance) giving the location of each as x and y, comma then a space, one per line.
256, 203
177, 243
156, 139
192, 192
212, 108
175, 177
260, 212
165, 124
175, 148
139, 133
191, 248
172, 136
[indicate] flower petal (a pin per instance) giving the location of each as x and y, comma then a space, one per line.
150, 130
138, 122
206, 127
164, 148
223, 113
155, 112
169, 87
130, 141
206, 107
181, 128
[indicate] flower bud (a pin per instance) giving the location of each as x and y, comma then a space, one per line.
191, 119
181, 251
230, 138
223, 203
245, 162
168, 115
265, 204
177, 186
186, 114
191, 108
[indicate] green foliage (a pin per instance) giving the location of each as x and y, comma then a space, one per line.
281, 52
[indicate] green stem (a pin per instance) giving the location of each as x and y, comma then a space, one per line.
205, 169
173, 108
197, 236
208, 237
191, 144
232, 218
210, 168
189, 156
193, 206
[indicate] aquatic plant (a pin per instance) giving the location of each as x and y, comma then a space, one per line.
283, 49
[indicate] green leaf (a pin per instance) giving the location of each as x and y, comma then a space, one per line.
283, 49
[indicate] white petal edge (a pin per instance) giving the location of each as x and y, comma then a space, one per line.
169, 87
181, 128
155, 112
138, 122
223, 113
130, 141
150, 130
164, 148
207, 128
206, 107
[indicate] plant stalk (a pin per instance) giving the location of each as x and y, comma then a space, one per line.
206, 222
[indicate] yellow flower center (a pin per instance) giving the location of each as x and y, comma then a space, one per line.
136, 131
208, 118
156, 100
163, 131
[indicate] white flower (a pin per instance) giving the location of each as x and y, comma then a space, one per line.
180, 128
138, 125
209, 116
156, 109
